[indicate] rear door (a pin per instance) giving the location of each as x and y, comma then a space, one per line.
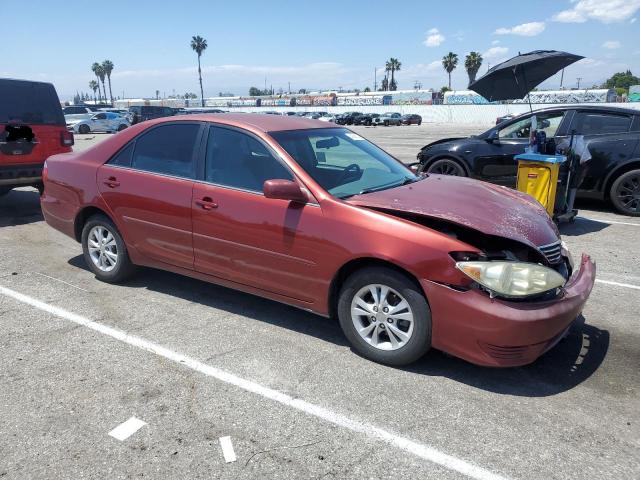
148, 187
610, 142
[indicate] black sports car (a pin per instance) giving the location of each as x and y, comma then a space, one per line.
365, 118
612, 133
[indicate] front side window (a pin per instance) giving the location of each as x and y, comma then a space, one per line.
601, 123
342, 162
100, 116
546, 122
167, 149
235, 159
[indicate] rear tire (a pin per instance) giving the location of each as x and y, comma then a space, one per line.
625, 193
84, 129
386, 337
386, 123
447, 166
121, 127
104, 250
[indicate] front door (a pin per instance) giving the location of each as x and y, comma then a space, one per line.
240, 235
148, 187
495, 162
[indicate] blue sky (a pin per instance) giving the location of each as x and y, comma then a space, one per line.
327, 44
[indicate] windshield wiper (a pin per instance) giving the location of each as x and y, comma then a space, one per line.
406, 181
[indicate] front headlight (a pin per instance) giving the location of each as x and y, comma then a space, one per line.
512, 279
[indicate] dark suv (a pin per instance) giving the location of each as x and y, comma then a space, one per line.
611, 133
141, 113
32, 128
347, 118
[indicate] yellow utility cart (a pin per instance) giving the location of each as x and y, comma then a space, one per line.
538, 176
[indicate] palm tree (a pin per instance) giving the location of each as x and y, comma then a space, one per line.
93, 85
393, 65
472, 63
96, 68
107, 66
199, 45
450, 62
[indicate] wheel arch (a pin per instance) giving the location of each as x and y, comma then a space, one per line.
82, 217
356, 264
448, 156
616, 172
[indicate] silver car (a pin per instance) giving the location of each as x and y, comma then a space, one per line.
387, 119
99, 122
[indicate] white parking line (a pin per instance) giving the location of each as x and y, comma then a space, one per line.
612, 222
126, 429
61, 281
420, 450
618, 284
227, 449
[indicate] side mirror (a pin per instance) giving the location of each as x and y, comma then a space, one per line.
493, 137
284, 190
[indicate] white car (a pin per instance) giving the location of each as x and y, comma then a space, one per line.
328, 117
98, 122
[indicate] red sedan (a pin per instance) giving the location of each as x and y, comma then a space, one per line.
313, 215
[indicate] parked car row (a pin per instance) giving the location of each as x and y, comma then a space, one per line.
385, 119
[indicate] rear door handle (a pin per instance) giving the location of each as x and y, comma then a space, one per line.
112, 182
206, 203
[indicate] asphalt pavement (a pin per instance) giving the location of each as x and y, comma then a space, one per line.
194, 363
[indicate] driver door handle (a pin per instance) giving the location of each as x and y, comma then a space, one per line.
206, 203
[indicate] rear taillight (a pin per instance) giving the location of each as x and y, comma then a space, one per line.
66, 138
45, 172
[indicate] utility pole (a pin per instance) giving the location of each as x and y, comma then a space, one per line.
578, 79
289, 91
561, 78
375, 79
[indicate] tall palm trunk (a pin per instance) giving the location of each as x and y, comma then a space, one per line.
200, 76
99, 92
110, 93
393, 82
449, 80
104, 89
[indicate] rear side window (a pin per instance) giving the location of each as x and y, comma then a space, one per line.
29, 102
167, 149
601, 123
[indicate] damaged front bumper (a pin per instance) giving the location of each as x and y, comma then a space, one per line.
502, 333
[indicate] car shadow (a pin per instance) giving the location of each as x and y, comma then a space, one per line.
581, 226
19, 207
569, 363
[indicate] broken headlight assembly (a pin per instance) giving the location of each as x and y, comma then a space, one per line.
512, 279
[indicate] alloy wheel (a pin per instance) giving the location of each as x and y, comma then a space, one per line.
382, 317
103, 248
446, 167
628, 193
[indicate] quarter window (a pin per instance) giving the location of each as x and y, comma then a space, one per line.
238, 160
167, 149
123, 157
601, 123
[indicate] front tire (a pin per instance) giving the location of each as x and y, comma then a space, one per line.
625, 193
385, 316
104, 250
84, 129
121, 127
447, 166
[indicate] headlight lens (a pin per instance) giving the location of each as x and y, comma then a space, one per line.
512, 279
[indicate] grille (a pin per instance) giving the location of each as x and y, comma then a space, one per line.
553, 252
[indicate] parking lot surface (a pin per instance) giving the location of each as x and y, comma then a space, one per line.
196, 362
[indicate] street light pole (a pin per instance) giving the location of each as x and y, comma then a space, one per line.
578, 79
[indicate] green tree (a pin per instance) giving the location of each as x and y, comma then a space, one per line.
96, 68
444, 90
199, 45
622, 80
255, 92
393, 65
472, 64
302, 91
93, 85
449, 63
99, 71
107, 67
366, 89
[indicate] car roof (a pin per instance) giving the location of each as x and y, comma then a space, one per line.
593, 107
264, 123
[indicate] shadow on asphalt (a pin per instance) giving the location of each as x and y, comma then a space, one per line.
568, 364
19, 207
581, 226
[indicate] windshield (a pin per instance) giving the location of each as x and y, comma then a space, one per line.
342, 162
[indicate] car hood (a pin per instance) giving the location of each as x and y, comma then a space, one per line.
452, 143
487, 208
